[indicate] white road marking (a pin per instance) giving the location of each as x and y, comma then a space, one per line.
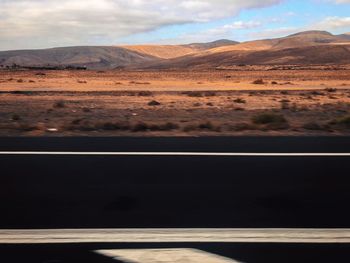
213, 154
174, 235
178, 255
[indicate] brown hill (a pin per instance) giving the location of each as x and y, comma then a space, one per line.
163, 51
91, 57
311, 47
307, 38
174, 51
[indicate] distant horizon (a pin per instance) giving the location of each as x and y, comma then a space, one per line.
170, 44
37, 24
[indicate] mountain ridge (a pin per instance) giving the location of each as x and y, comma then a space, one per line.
308, 47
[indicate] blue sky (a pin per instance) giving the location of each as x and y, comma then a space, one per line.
27, 24
278, 20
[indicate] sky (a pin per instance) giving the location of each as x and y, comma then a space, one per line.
33, 24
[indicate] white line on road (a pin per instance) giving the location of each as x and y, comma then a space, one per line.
175, 235
219, 154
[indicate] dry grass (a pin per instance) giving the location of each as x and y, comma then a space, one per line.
100, 108
258, 82
59, 104
270, 121
154, 103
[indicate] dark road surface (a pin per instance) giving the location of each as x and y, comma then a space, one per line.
99, 191
244, 253
174, 191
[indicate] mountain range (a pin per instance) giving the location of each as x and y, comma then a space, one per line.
305, 48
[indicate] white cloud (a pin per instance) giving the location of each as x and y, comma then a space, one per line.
242, 25
43, 23
333, 23
342, 1
274, 33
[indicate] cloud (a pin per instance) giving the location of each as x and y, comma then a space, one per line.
227, 31
242, 25
333, 23
274, 33
342, 1
43, 23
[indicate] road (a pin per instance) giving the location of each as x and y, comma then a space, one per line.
156, 191
94, 190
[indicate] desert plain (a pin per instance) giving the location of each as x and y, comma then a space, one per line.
242, 100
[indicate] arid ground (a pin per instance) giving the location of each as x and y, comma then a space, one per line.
246, 100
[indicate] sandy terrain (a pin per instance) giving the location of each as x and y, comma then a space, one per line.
223, 102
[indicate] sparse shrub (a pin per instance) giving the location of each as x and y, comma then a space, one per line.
85, 125
209, 94
243, 127
112, 126
22, 92
145, 93
140, 127
154, 103
285, 101
207, 126
15, 117
194, 93
274, 83
29, 127
40, 74
313, 126
139, 83
331, 90
267, 118
317, 93
31, 81
82, 81
259, 82
81, 125
240, 101
189, 128
20, 81
77, 121
342, 122
285, 105
239, 109
169, 126
272, 121
86, 110
284, 92
59, 104
210, 104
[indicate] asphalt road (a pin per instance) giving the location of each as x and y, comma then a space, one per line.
155, 191
242, 253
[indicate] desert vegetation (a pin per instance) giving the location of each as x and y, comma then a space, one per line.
177, 103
